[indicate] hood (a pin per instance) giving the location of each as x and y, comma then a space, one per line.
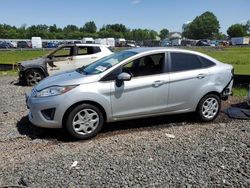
68, 78
29, 63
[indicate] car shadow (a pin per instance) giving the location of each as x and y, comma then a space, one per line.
25, 127
151, 122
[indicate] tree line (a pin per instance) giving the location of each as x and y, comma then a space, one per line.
89, 29
205, 26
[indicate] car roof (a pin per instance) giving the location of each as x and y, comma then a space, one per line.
163, 49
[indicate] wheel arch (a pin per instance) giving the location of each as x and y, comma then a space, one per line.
211, 92
100, 107
36, 68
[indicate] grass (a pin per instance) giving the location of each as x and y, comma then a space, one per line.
12, 57
240, 91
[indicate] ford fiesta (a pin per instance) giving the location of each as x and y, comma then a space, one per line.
135, 83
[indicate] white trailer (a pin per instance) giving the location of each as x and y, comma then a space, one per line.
176, 42
110, 42
100, 41
240, 40
121, 42
36, 42
88, 40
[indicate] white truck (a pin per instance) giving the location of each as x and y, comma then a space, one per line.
36, 42
240, 40
105, 41
88, 40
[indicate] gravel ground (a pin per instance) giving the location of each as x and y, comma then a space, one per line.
168, 151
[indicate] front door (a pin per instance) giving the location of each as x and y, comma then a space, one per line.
61, 61
147, 91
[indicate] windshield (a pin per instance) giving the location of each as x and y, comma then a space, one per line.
105, 63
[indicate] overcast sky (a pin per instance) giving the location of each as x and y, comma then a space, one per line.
150, 14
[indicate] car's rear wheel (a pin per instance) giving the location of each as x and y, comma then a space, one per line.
84, 121
33, 76
209, 107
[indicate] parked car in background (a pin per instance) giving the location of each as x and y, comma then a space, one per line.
203, 43
65, 58
23, 44
136, 83
51, 45
13, 44
5, 45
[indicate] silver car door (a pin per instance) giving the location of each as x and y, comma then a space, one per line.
142, 95
186, 82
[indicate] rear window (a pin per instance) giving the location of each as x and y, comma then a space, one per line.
184, 62
206, 62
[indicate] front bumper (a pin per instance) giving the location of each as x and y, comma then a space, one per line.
37, 105
21, 77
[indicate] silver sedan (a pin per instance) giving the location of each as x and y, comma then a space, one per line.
135, 83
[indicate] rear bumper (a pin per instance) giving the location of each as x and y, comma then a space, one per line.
227, 91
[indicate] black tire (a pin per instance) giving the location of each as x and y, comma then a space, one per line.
84, 134
33, 76
201, 109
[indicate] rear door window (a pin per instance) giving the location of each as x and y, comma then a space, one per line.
87, 50
184, 62
206, 62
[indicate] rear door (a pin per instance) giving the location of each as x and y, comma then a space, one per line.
86, 55
187, 78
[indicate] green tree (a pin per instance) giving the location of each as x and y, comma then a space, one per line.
53, 28
247, 27
89, 27
236, 30
70, 28
115, 27
205, 26
164, 33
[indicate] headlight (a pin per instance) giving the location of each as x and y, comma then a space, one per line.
54, 90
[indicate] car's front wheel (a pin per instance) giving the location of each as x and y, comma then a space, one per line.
33, 76
84, 121
209, 107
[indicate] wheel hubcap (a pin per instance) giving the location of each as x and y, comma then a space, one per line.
85, 121
34, 77
210, 108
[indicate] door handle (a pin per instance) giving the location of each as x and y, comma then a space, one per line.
158, 83
70, 58
200, 76
93, 57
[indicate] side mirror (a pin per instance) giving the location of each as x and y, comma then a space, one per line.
121, 78
124, 76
